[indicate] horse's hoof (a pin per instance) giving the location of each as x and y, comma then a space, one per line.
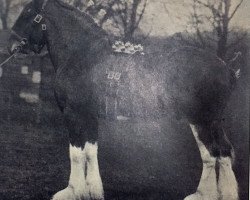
96, 192
66, 194
195, 196
229, 197
69, 194
199, 196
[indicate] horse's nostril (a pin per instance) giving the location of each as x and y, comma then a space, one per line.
13, 48
24, 41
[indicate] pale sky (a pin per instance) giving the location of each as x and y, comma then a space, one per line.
161, 23
163, 18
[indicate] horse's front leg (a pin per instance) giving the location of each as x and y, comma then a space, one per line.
93, 178
214, 148
85, 182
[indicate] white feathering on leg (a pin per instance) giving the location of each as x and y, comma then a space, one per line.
228, 187
77, 188
77, 174
207, 189
93, 178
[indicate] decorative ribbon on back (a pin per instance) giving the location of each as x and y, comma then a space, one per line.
127, 48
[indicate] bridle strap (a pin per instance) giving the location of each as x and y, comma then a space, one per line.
44, 27
39, 15
44, 5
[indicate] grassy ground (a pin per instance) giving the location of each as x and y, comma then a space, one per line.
139, 160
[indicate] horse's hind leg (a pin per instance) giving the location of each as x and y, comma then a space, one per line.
227, 183
85, 181
214, 148
207, 188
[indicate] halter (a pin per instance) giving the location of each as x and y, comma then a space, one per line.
37, 20
23, 41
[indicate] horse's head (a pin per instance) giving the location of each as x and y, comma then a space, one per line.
28, 32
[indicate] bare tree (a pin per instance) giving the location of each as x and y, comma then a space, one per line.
128, 15
6, 6
125, 15
211, 22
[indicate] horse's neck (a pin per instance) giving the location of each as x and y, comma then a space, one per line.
71, 38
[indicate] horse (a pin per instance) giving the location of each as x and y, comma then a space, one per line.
194, 86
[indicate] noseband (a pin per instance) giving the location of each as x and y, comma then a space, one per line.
37, 20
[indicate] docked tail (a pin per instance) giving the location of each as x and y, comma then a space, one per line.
234, 64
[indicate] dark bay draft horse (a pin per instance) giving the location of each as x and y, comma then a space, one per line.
195, 86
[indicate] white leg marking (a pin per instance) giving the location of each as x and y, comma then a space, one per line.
207, 188
77, 174
77, 187
228, 187
94, 181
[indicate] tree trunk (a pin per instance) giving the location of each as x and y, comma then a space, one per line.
222, 41
223, 37
133, 23
4, 23
222, 46
128, 35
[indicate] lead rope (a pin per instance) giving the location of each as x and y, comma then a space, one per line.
15, 51
7, 60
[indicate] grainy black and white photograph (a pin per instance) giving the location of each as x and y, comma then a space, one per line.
124, 99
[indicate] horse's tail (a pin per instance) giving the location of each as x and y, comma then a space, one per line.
234, 67
221, 141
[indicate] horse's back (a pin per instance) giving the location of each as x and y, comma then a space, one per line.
190, 81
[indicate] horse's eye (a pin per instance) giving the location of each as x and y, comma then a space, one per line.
29, 10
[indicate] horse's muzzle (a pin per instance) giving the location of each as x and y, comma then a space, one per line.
13, 46
17, 46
